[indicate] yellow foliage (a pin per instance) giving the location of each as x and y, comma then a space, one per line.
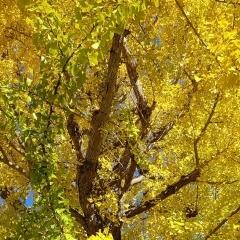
102, 236
119, 118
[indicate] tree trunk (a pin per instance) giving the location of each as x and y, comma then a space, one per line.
116, 233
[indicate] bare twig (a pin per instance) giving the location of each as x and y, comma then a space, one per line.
20, 32
196, 141
218, 183
214, 230
190, 24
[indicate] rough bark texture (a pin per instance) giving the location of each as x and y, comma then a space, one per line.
87, 181
170, 190
87, 171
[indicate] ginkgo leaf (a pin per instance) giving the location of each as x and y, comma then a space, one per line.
116, 116
78, 13
93, 59
28, 81
96, 45
22, 3
198, 79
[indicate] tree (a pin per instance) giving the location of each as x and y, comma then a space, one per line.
121, 118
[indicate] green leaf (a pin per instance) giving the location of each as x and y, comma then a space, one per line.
23, 3
60, 210
139, 16
81, 78
120, 28
69, 236
78, 13
35, 38
53, 50
28, 81
93, 59
96, 45
63, 61
51, 97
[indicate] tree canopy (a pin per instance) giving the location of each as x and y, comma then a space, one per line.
120, 119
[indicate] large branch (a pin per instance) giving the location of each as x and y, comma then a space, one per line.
129, 175
151, 136
76, 136
170, 190
160, 134
125, 168
121, 167
78, 217
87, 171
144, 111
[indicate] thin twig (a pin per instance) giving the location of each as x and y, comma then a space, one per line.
203, 131
214, 230
190, 24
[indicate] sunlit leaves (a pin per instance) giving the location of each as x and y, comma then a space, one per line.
102, 235
23, 3
54, 61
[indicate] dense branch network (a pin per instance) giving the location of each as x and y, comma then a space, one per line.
101, 158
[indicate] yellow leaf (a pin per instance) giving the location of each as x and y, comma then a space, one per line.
198, 79
96, 45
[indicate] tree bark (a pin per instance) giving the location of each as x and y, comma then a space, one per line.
116, 233
87, 170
